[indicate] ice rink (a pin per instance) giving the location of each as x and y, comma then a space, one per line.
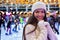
16, 36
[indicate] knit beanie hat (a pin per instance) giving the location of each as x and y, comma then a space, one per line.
38, 5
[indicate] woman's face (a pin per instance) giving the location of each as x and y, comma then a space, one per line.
39, 14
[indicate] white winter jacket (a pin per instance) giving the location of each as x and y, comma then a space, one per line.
43, 30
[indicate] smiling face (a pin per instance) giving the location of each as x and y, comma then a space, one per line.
39, 14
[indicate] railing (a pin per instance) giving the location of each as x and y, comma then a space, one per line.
26, 6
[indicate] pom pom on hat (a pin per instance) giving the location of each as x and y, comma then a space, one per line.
38, 5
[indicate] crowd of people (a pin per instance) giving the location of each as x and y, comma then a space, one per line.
8, 18
54, 20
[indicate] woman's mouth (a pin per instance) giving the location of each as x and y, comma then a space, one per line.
39, 16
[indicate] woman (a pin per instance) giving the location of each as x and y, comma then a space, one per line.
9, 27
37, 28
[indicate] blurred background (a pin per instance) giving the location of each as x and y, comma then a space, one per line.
15, 13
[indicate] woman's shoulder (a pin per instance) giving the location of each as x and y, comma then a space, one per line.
29, 28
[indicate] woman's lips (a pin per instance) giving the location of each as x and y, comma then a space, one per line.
39, 16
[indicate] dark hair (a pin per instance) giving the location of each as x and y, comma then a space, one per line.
32, 20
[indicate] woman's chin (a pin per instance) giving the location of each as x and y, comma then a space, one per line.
39, 19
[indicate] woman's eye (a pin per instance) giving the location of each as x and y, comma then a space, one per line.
37, 11
42, 11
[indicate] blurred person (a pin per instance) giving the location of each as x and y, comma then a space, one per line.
24, 19
15, 29
21, 21
8, 14
9, 27
13, 18
58, 22
0, 21
16, 16
52, 24
53, 21
7, 18
48, 16
37, 28
3, 20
